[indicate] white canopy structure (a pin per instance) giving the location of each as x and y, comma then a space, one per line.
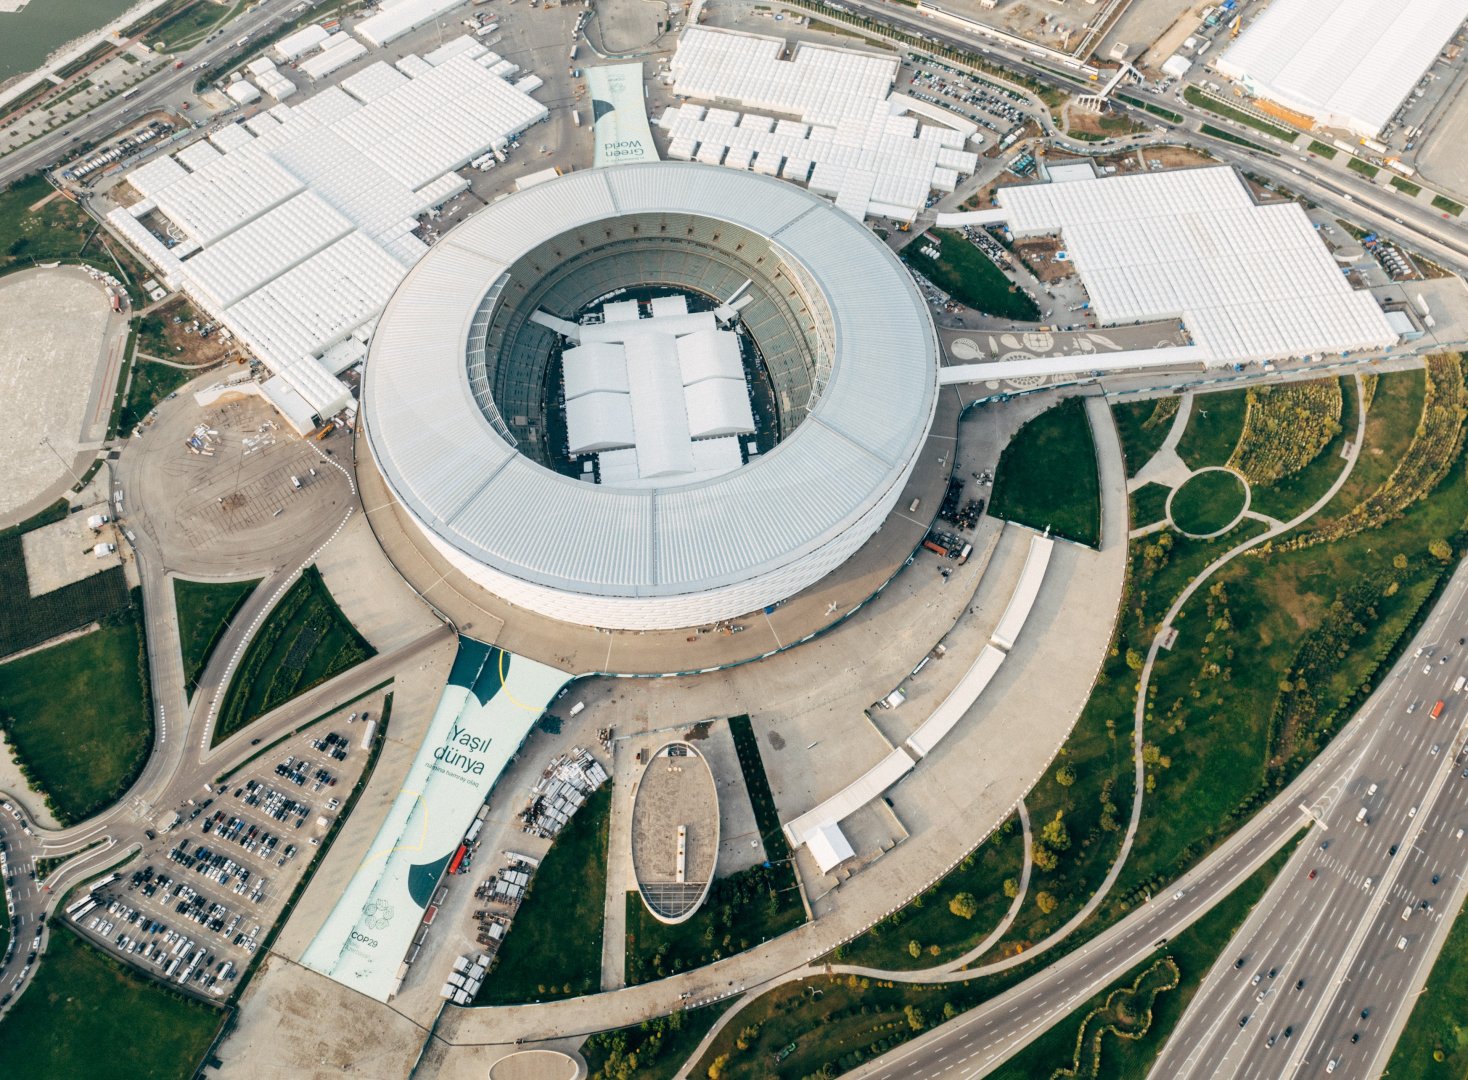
1344, 63
401, 17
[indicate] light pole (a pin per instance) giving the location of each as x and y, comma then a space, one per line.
47, 440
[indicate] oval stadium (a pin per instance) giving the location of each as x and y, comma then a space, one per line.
651, 396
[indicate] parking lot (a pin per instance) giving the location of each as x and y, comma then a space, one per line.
195, 908
994, 108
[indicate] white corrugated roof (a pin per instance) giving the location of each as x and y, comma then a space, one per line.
1347, 63
395, 20
846, 462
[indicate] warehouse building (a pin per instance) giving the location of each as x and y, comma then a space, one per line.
661, 512
1345, 63
292, 228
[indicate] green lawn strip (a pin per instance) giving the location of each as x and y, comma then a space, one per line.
4, 923
743, 909
46, 867
1142, 427
205, 609
1396, 409
1191, 954
1207, 502
1442, 202
1323, 149
1434, 1044
151, 382
191, 25
89, 1015
1098, 754
1229, 136
653, 1049
1149, 504
553, 948
1292, 495
757, 784
940, 933
1156, 110
1357, 165
1214, 428
1193, 96
1406, 187
78, 716
304, 641
969, 276
1324, 621
1047, 475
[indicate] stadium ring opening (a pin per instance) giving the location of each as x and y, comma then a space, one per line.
459, 394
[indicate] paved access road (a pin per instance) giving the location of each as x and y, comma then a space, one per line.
1378, 746
1349, 931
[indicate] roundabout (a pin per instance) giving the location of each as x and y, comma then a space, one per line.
1209, 503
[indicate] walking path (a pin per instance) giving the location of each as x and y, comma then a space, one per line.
1165, 467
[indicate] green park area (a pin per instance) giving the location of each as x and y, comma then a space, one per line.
1447, 205
1434, 1044
553, 949
1324, 150
1357, 165
652, 1050
89, 1016
78, 717
969, 276
205, 611
1406, 187
304, 641
1149, 504
40, 228
191, 22
1213, 430
1143, 427
1047, 476
1208, 502
952, 916
150, 383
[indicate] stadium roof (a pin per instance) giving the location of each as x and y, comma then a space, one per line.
1346, 63
1250, 282
491, 506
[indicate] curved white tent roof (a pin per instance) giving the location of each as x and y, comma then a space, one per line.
653, 556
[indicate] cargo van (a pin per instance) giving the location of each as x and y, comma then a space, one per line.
1458, 683
1361, 817
1407, 914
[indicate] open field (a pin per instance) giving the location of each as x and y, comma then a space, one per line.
1047, 475
1213, 428
542, 958
969, 276
1143, 427
1149, 504
205, 609
1434, 1044
304, 641
1207, 502
150, 384
79, 718
87, 1015
58, 230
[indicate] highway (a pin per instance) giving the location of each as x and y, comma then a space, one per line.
978, 1041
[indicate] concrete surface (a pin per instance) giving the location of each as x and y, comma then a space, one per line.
61, 553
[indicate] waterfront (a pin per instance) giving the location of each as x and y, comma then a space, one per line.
28, 36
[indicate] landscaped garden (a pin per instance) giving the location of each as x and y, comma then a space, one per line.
969, 276
1047, 476
1208, 502
652, 1050
1143, 426
205, 610
304, 641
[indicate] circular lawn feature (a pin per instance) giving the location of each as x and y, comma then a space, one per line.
1209, 502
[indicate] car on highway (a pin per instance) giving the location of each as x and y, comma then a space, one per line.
1435, 748
1365, 1013
1331, 1064
1300, 985
1311, 876
1243, 1020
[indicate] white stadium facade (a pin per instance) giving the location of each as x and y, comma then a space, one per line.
559, 393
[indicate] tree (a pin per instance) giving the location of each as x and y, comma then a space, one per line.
964, 905
1045, 902
1400, 561
1044, 858
949, 1010
1134, 660
1065, 776
1440, 549
1054, 834
914, 949
915, 1018
1011, 888
716, 1067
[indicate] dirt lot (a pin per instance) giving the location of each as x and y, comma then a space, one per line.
1103, 124
1175, 157
173, 332
1039, 256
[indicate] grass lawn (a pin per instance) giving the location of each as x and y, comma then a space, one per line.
151, 383
969, 276
1191, 953
553, 950
1406, 186
1396, 407
205, 609
1292, 495
1156, 110
1143, 427
1357, 165
1213, 428
1149, 504
1442, 202
59, 230
941, 935
1323, 149
1229, 136
1439, 1020
652, 1050
191, 26
304, 641
1208, 502
1047, 475
78, 716
27, 620
88, 1015
1193, 96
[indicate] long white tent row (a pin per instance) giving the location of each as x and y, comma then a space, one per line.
852, 141
1344, 63
294, 227
399, 17
1250, 282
